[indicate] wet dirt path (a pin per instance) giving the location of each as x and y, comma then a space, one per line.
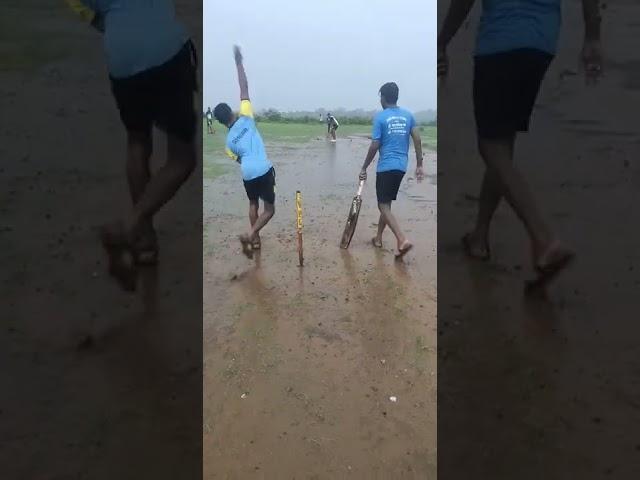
95, 383
300, 363
558, 375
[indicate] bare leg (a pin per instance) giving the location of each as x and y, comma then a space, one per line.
253, 211
139, 149
390, 219
254, 205
490, 197
382, 224
261, 221
498, 156
181, 161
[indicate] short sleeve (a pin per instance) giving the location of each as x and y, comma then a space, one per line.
376, 134
246, 110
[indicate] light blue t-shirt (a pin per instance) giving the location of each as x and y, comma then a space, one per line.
246, 145
139, 34
392, 128
514, 24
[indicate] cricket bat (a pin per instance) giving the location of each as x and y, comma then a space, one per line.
352, 218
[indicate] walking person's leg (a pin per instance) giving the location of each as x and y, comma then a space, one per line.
390, 220
262, 187
382, 224
249, 240
139, 149
477, 241
267, 214
504, 92
254, 206
181, 161
546, 247
387, 186
120, 239
164, 97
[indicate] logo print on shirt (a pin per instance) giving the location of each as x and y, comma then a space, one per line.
396, 126
240, 135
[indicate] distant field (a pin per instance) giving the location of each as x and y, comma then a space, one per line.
36, 32
216, 163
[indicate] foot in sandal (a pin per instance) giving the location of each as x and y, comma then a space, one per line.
476, 248
549, 264
247, 249
403, 249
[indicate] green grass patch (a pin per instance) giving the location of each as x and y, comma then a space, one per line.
216, 162
429, 137
304, 132
211, 170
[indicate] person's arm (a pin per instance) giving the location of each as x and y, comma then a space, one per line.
457, 13
371, 154
417, 144
242, 76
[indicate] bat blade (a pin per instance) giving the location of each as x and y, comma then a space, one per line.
352, 220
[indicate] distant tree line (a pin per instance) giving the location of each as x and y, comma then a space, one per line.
273, 115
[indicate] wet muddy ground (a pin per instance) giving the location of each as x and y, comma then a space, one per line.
300, 364
95, 383
549, 380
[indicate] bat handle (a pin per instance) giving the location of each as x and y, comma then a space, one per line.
360, 187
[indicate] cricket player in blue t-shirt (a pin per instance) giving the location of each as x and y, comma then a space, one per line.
244, 145
392, 129
515, 44
152, 69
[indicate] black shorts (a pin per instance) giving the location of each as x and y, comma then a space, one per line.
161, 96
388, 184
505, 88
263, 187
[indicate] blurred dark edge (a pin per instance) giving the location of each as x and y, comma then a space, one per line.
545, 387
95, 383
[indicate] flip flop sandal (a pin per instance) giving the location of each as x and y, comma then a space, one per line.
247, 249
404, 250
468, 250
548, 273
121, 258
257, 245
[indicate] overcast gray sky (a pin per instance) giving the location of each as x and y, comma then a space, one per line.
308, 54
